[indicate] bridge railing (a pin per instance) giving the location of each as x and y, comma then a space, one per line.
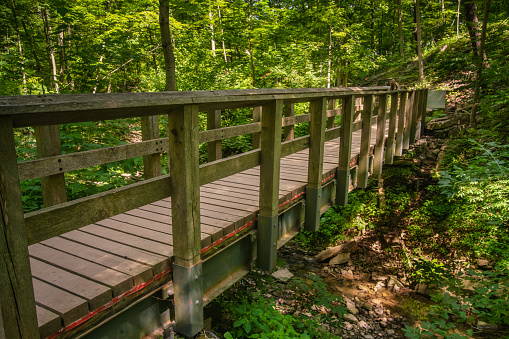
273, 119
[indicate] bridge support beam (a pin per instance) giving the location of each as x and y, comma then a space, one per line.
401, 124
315, 163
415, 115
380, 134
214, 150
345, 148
389, 152
185, 210
408, 119
367, 113
269, 184
423, 110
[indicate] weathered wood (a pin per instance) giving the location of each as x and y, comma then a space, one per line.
48, 144
418, 115
332, 133
17, 299
294, 146
380, 134
295, 119
328, 253
73, 161
229, 132
330, 119
151, 162
257, 117
315, 163
185, 185
55, 220
269, 184
389, 153
401, 124
415, 115
345, 147
49, 322
367, 113
228, 166
214, 150
288, 131
423, 111
408, 119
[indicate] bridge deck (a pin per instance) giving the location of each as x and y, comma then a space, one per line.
82, 272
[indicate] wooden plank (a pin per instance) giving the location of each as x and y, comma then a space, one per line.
140, 272
380, 134
257, 117
363, 170
294, 146
289, 131
48, 144
151, 162
229, 132
296, 119
214, 150
415, 115
49, 322
158, 262
389, 153
408, 119
18, 305
74, 161
55, 220
160, 239
331, 105
185, 185
117, 281
423, 111
345, 146
401, 124
252, 194
68, 306
95, 294
222, 194
225, 167
332, 133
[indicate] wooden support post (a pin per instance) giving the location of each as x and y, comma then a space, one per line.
423, 111
367, 113
330, 121
389, 152
315, 163
185, 210
408, 119
418, 115
380, 134
17, 297
269, 184
345, 148
48, 144
257, 117
288, 131
214, 150
415, 116
151, 162
401, 124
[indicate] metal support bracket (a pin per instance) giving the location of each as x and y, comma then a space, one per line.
188, 285
313, 197
267, 242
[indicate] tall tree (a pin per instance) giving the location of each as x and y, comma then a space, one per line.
166, 42
472, 25
419, 40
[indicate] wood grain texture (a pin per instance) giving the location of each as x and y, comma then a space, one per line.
151, 162
229, 132
289, 131
345, 146
408, 119
317, 141
18, 305
257, 118
363, 170
389, 153
401, 124
380, 134
214, 151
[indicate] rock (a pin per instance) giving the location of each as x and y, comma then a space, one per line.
377, 276
341, 258
394, 284
347, 274
482, 263
421, 288
325, 270
348, 326
390, 332
351, 307
351, 318
282, 274
363, 324
368, 336
441, 123
349, 247
379, 311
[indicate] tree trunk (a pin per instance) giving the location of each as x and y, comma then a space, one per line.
472, 25
97, 72
419, 42
250, 52
51, 49
400, 29
169, 57
372, 25
330, 57
458, 20
212, 41
61, 59
480, 59
222, 33
20, 49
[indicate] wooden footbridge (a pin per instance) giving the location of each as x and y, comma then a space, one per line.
71, 268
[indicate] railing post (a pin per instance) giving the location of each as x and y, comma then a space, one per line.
332, 106
185, 210
423, 111
401, 124
345, 147
367, 113
214, 151
415, 115
315, 163
48, 144
17, 298
269, 184
149, 131
380, 134
289, 131
257, 117
418, 115
408, 119
389, 152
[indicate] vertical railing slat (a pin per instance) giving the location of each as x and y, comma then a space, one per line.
151, 162
389, 153
408, 119
214, 151
380, 134
401, 124
345, 148
289, 131
367, 113
257, 117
